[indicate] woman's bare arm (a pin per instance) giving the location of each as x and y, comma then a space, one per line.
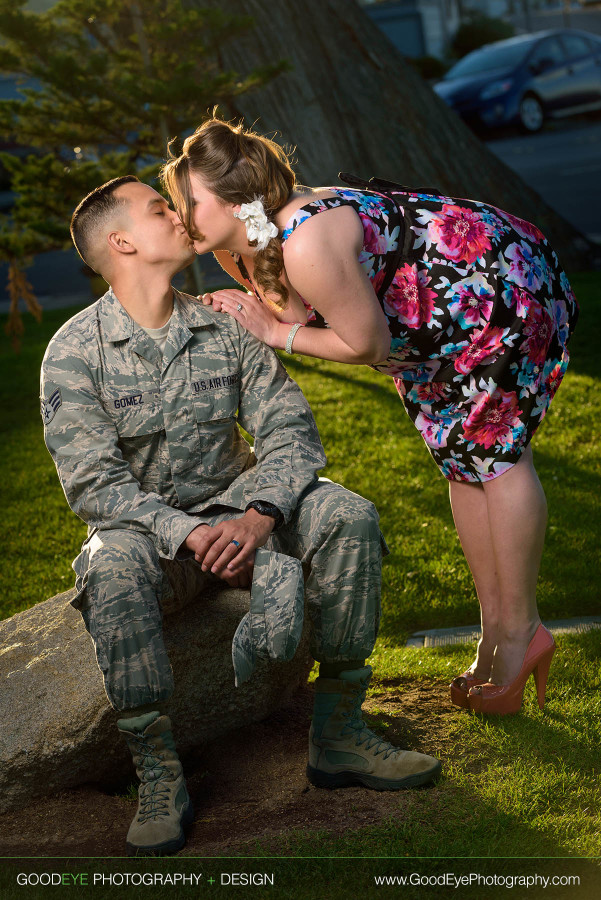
322, 265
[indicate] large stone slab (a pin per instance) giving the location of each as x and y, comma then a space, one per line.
57, 729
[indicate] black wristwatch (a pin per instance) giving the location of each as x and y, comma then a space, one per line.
267, 509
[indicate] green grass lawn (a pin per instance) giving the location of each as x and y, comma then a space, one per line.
373, 449
523, 785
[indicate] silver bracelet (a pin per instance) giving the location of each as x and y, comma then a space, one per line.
291, 336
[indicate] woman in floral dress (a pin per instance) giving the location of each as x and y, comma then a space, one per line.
464, 305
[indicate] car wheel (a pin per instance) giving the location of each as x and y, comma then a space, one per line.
532, 114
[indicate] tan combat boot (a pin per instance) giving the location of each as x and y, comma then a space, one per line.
164, 806
342, 749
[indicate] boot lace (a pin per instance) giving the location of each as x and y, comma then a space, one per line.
363, 735
153, 796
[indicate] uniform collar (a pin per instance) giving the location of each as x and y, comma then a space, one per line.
118, 325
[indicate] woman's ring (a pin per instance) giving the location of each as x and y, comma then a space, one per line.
239, 307
237, 543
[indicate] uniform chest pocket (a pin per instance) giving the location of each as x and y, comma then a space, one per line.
216, 421
136, 414
210, 409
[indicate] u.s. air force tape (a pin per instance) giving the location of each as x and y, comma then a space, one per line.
50, 406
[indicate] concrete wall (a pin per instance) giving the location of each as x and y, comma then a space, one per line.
416, 27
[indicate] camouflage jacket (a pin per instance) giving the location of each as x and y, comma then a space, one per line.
142, 441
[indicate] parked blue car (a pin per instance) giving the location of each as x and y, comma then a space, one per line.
524, 79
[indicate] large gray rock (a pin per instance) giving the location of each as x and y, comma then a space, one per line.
57, 729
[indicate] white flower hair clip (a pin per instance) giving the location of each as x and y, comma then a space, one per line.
258, 226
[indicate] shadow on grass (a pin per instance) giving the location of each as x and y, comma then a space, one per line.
584, 357
453, 819
540, 737
355, 375
416, 588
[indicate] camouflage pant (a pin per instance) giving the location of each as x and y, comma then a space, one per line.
122, 582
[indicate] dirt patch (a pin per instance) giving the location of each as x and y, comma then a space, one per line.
248, 787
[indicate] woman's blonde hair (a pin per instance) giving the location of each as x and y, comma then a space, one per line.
237, 166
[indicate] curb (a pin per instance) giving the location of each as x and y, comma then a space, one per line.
465, 634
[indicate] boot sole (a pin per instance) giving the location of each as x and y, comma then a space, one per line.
167, 847
347, 779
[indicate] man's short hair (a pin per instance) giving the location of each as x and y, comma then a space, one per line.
91, 214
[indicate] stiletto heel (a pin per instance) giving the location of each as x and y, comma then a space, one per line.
504, 699
541, 673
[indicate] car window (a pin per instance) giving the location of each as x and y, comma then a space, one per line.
575, 45
549, 52
495, 56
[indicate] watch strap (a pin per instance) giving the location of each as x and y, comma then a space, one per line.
265, 508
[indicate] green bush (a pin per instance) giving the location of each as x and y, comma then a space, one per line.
429, 67
477, 31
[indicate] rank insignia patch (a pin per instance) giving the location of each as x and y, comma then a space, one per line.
50, 406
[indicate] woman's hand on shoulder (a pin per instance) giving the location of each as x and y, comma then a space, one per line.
253, 315
210, 299
217, 298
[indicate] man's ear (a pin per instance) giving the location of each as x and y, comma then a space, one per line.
118, 242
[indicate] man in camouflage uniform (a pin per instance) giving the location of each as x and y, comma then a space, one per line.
142, 394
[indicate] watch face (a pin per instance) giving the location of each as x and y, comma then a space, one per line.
266, 509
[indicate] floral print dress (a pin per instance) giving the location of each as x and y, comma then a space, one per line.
480, 313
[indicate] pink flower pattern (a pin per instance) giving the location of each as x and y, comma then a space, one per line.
430, 392
524, 229
517, 298
524, 267
538, 329
493, 420
459, 233
554, 378
472, 301
483, 350
480, 313
409, 298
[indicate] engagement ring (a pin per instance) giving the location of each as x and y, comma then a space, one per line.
239, 307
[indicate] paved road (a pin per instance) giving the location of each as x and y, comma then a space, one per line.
578, 17
562, 163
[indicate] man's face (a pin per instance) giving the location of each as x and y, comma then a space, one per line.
153, 229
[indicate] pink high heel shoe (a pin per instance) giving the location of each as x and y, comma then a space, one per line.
460, 687
504, 699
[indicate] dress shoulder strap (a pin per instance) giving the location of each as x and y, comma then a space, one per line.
387, 189
382, 185
241, 267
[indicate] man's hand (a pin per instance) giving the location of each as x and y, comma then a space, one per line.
215, 550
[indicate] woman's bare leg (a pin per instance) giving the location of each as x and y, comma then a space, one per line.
470, 513
517, 516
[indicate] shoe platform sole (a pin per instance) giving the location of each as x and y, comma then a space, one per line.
167, 847
347, 779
